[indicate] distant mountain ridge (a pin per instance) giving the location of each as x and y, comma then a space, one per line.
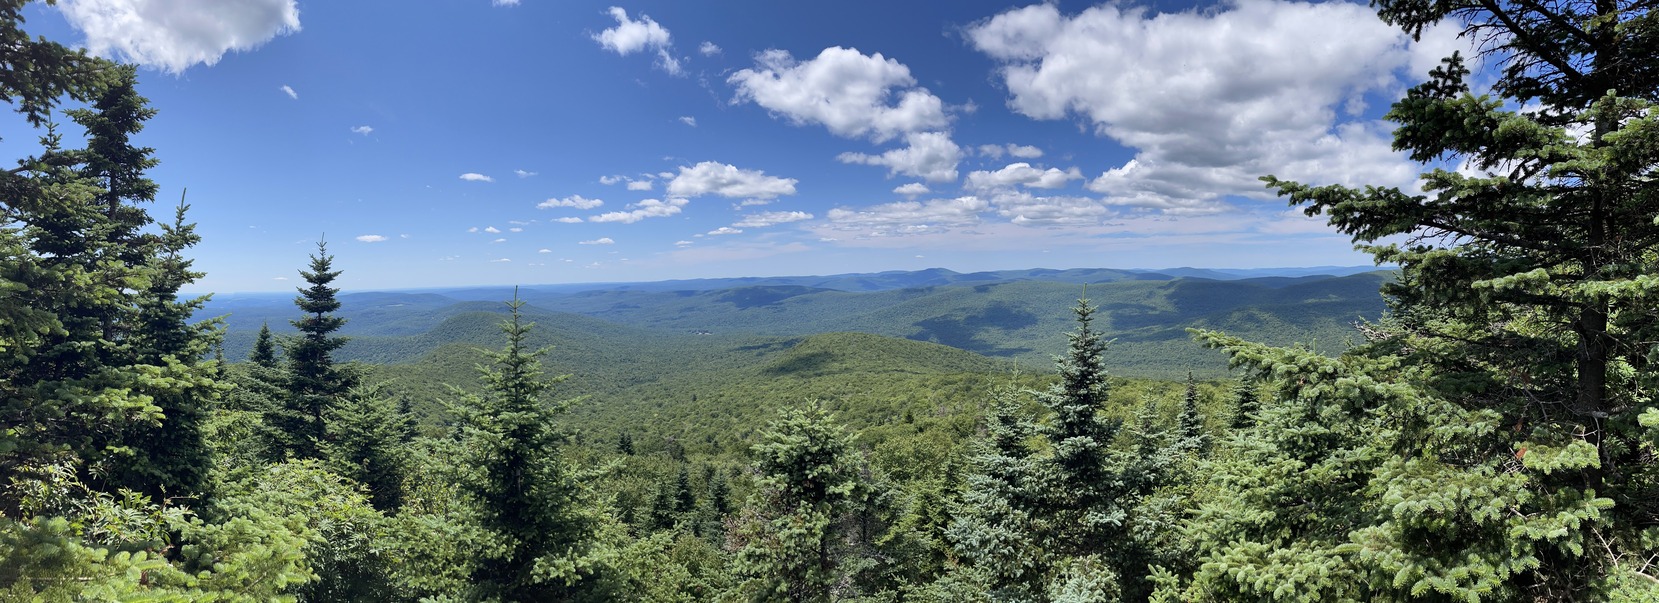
1019, 315
931, 277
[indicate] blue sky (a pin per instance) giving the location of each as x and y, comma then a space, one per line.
473, 142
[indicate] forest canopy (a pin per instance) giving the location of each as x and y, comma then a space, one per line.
1493, 438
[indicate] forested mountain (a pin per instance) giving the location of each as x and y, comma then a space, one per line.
1493, 437
1011, 317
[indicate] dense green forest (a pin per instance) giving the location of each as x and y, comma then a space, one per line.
1493, 437
1010, 315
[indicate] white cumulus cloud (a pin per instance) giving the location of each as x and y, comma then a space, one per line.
476, 177
492, 230
725, 230
598, 241
568, 220
649, 208
912, 189
576, 201
927, 155
364, 130
639, 185
688, 120
1211, 100
714, 178
1022, 174
708, 49
848, 92
371, 238
173, 35
630, 36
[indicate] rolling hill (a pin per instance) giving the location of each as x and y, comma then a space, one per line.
1019, 316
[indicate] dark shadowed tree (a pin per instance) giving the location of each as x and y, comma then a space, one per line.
313, 381
527, 497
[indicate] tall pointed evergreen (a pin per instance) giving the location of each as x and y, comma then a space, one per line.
314, 383
1033, 526
1189, 425
1246, 404
527, 497
171, 458
1079, 499
264, 348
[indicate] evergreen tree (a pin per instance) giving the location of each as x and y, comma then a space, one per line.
801, 532
264, 349
1246, 403
529, 501
1487, 444
992, 530
684, 499
171, 457
314, 383
1078, 503
368, 436
1189, 425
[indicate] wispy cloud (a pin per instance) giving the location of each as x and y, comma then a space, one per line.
598, 241
290, 92
523, 173
364, 130
771, 218
576, 201
371, 238
649, 208
476, 177
688, 120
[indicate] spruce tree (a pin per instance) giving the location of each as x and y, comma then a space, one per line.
526, 497
264, 349
992, 530
313, 382
1487, 444
171, 457
1079, 501
1246, 403
800, 534
1189, 425
368, 439
1042, 525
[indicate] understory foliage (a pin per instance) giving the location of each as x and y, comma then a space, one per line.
1493, 439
